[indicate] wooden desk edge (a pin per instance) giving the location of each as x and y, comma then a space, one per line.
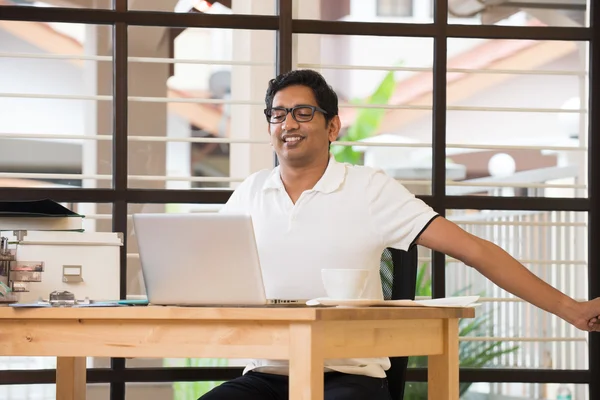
393, 313
237, 313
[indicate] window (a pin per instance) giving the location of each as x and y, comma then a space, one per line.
394, 8
496, 134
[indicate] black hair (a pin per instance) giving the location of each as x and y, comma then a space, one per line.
324, 94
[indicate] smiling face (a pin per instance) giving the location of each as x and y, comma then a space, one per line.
300, 144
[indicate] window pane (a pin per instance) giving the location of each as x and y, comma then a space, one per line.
98, 4
518, 107
253, 7
392, 11
55, 105
198, 122
505, 391
48, 392
394, 8
553, 246
548, 13
524, 391
384, 103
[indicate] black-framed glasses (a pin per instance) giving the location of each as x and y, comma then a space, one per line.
301, 113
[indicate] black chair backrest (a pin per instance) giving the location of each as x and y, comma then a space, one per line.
398, 270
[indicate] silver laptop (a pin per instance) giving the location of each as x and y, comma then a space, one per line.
200, 259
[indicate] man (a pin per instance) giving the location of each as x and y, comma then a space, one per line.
312, 213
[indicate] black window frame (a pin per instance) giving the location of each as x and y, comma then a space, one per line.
120, 195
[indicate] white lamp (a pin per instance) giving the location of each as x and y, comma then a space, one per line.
502, 165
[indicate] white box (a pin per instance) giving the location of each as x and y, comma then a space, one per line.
85, 264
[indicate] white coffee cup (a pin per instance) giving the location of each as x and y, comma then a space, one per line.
346, 283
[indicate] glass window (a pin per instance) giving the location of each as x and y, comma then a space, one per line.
506, 391
255, 7
194, 122
552, 245
55, 105
544, 13
97, 4
404, 11
384, 102
516, 125
518, 108
394, 8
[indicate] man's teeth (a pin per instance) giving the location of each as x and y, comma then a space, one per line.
292, 139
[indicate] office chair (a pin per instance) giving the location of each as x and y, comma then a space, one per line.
398, 270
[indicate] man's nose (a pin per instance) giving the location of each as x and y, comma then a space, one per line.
289, 124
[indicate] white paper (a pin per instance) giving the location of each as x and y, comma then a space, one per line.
459, 301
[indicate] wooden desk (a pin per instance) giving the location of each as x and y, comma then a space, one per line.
305, 336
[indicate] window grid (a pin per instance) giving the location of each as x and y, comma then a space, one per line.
121, 195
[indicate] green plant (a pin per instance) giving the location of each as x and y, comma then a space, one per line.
367, 120
472, 354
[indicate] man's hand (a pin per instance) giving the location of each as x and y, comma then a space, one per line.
588, 318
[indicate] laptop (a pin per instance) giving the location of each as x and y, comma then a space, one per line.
206, 259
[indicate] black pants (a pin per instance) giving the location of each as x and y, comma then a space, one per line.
338, 386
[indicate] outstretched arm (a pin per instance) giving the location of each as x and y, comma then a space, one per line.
505, 271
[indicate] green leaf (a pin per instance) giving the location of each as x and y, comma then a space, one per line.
423, 285
345, 154
367, 120
470, 326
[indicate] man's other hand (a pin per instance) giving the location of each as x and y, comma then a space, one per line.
588, 318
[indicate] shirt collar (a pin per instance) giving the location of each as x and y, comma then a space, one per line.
331, 180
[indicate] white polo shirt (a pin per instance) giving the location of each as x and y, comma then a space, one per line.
346, 221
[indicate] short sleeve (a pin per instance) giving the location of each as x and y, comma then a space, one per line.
396, 213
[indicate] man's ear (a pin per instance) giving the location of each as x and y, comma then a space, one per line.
333, 130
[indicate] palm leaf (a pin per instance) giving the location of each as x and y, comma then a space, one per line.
367, 120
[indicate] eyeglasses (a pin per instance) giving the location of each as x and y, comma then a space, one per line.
277, 115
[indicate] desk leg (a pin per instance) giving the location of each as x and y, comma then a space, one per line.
70, 378
443, 369
306, 362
